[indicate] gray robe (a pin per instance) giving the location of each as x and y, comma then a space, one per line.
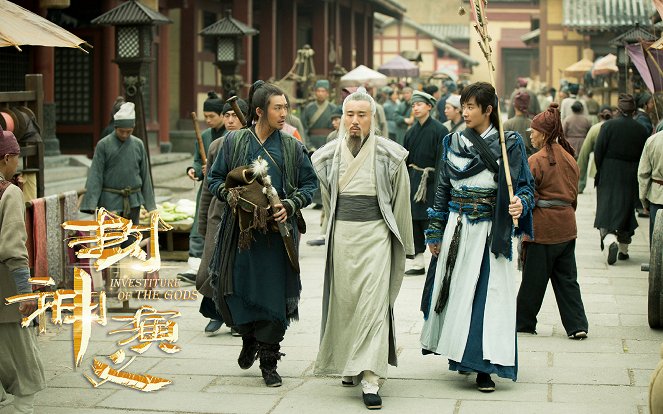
393, 192
322, 123
21, 368
210, 210
118, 165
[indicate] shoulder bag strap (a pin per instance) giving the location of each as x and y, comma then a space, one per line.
484, 152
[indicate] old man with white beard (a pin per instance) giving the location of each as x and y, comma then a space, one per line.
364, 179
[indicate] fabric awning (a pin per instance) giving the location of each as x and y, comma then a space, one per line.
579, 68
398, 66
605, 65
23, 27
364, 75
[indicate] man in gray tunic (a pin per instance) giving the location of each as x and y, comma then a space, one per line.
316, 117
21, 368
119, 179
364, 180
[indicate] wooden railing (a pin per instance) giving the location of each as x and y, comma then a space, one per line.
33, 98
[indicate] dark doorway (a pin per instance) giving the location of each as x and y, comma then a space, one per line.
517, 63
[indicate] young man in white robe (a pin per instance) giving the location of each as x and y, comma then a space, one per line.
364, 180
470, 306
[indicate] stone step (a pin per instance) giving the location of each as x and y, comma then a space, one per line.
66, 173
55, 161
58, 187
168, 158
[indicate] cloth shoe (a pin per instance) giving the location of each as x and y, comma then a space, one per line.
234, 332
187, 277
269, 355
484, 383
580, 335
372, 401
611, 248
213, 327
348, 381
320, 241
248, 353
369, 391
418, 266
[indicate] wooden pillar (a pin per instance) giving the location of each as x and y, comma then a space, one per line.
267, 40
347, 43
360, 58
243, 11
337, 33
163, 94
188, 48
288, 29
321, 39
45, 64
110, 88
369, 39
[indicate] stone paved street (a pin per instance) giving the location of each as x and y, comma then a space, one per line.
607, 373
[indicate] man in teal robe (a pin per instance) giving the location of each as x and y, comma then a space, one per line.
317, 115
119, 179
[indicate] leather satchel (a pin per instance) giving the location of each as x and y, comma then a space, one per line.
248, 201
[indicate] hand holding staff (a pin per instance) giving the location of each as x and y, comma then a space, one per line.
199, 138
478, 14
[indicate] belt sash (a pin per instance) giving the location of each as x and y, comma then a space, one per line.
360, 208
125, 193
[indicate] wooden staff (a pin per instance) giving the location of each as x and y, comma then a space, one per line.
199, 138
238, 112
480, 23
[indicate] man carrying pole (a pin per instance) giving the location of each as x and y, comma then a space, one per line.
470, 306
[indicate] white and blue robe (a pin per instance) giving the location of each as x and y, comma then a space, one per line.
476, 330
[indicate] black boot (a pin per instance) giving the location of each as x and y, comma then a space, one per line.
484, 383
249, 351
269, 355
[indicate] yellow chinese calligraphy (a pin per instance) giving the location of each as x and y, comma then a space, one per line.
148, 326
141, 382
111, 231
79, 302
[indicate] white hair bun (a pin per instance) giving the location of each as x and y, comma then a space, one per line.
361, 89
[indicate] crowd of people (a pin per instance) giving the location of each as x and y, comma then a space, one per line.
394, 174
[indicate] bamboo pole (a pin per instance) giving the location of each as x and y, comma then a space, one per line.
480, 23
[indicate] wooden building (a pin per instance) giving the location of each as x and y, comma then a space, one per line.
568, 29
440, 46
82, 86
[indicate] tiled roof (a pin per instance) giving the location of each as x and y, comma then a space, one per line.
606, 15
455, 52
440, 40
416, 26
391, 8
451, 31
130, 13
634, 35
228, 26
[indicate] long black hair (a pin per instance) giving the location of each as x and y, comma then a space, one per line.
259, 96
484, 95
